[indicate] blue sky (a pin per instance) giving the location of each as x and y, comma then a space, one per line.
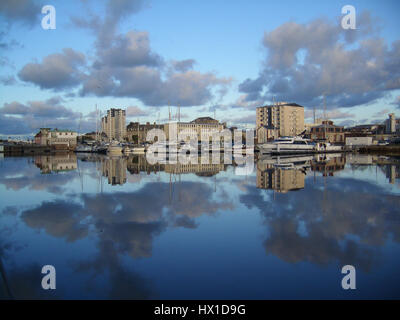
228, 47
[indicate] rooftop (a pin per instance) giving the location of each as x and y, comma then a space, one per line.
283, 104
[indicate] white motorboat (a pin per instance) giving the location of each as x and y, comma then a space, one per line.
287, 145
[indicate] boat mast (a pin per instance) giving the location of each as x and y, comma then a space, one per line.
324, 117
96, 116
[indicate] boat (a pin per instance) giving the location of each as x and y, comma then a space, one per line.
135, 150
289, 145
83, 148
100, 148
327, 147
115, 148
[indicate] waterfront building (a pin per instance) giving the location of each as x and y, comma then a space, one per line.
280, 119
137, 133
63, 139
114, 124
358, 141
309, 126
197, 127
328, 131
365, 129
392, 124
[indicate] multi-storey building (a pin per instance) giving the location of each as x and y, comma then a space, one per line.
114, 124
280, 119
392, 124
198, 127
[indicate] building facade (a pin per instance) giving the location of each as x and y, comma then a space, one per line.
392, 124
280, 119
137, 133
358, 141
329, 132
56, 137
198, 127
114, 124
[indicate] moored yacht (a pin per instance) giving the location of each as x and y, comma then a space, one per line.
287, 145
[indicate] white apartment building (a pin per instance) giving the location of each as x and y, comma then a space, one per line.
114, 124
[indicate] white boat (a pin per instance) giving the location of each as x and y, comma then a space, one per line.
287, 145
103, 148
135, 150
83, 148
115, 148
327, 147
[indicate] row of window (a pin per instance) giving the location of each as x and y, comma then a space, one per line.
327, 129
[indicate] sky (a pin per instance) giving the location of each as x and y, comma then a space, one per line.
208, 57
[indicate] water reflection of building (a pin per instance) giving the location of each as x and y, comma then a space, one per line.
56, 163
138, 163
279, 179
360, 159
199, 168
285, 174
327, 164
114, 168
393, 173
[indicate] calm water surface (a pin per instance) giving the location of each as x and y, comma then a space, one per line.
119, 228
